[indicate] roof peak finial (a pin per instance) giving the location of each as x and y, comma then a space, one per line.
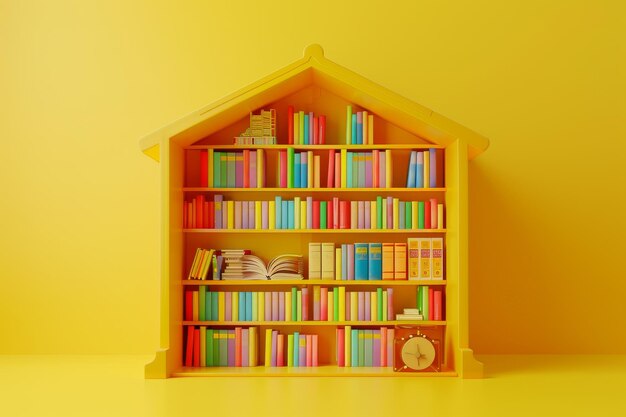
314, 50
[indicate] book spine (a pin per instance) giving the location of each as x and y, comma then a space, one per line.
426, 169
437, 258
399, 264
296, 128
322, 130
330, 179
290, 350
315, 350
370, 128
350, 262
327, 260
296, 349
433, 168
361, 260
340, 353
348, 125
419, 169
309, 350
324, 304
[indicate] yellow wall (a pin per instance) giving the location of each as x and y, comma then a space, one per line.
81, 82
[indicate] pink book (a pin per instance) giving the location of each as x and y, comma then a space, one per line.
347, 306
238, 214
309, 213
367, 206
376, 348
351, 261
361, 306
322, 130
375, 168
280, 350
389, 212
383, 346
311, 132
437, 305
316, 303
433, 213
382, 167
228, 313
251, 215
283, 169
331, 307
361, 215
337, 170
305, 304
239, 170
341, 347
264, 214
368, 308
368, 169
390, 337
314, 352
245, 348
281, 306
253, 174
275, 316
431, 301
244, 215
330, 179
329, 214
302, 351
316, 140
309, 350
390, 313
274, 354
354, 214
323, 304
268, 306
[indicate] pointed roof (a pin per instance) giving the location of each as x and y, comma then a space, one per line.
314, 69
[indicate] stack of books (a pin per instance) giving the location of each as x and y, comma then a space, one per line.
219, 347
410, 314
262, 130
359, 127
233, 263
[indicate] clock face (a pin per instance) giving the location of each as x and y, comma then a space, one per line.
418, 353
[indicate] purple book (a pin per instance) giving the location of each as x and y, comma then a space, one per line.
275, 315
245, 349
281, 306
368, 311
244, 215
228, 309
368, 169
389, 212
382, 170
361, 214
239, 169
274, 347
376, 348
219, 203
390, 314
361, 306
368, 218
231, 347
253, 169
265, 214
268, 306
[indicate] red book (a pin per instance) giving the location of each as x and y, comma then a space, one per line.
324, 304
316, 214
196, 347
427, 214
188, 305
204, 168
329, 215
344, 214
375, 168
431, 302
330, 181
309, 350
246, 168
199, 210
185, 219
337, 170
238, 347
283, 169
322, 130
341, 347
205, 214
314, 351
189, 347
290, 125
437, 305
315, 131
280, 350
211, 214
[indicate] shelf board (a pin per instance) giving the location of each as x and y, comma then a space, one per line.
317, 323
315, 231
320, 147
324, 370
274, 190
328, 282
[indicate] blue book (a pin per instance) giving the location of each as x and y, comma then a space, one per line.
297, 180
419, 170
354, 348
296, 348
214, 305
216, 170
279, 210
290, 212
304, 170
248, 305
306, 129
433, 168
375, 261
361, 261
349, 170
344, 261
241, 295
354, 137
285, 214
410, 178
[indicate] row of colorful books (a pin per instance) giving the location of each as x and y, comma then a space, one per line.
204, 305
262, 130
236, 169
359, 127
422, 170
337, 304
292, 350
305, 128
384, 213
221, 347
365, 347
298, 169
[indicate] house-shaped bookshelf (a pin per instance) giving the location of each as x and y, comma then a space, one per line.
312, 84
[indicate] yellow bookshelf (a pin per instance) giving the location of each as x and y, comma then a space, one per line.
323, 87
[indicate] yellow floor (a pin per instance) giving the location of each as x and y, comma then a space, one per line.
527, 386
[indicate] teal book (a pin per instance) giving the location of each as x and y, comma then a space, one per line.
279, 210
209, 347
285, 214
290, 167
242, 305
407, 215
202, 303
323, 209
290, 212
216, 170
304, 170
230, 170
361, 347
223, 347
379, 212
306, 129
369, 348
379, 304
420, 214
296, 349
361, 261
375, 261
214, 305
354, 349
354, 131
349, 169
248, 305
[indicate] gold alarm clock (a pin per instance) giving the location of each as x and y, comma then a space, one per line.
418, 349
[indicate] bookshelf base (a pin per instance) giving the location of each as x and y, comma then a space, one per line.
320, 371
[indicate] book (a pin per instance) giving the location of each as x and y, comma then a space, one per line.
315, 260
287, 266
328, 260
387, 261
399, 263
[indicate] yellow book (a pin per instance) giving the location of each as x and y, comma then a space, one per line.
234, 304
388, 261
437, 257
315, 260
338, 264
388, 169
440, 216
195, 305
426, 169
296, 213
373, 305
384, 222
328, 260
344, 156
425, 264
413, 257
310, 167
210, 164
385, 305
414, 214
272, 214
260, 168
373, 214
316, 171
347, 342
303, 214
202, 345
296, 128
221, 303
207, 263
396, 214
252, 346
194, 265
370, 128
288, 306
354, 306
399, 261
258, 215
261, 306
365, 132
268, 347
342, 304
230, 209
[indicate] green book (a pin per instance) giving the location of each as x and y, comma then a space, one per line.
420, 214
214, 305
294, 304
202, 303
379, 212
425, 305
407, 215
290, 161
290, 350
336, 303
379, 306
230, 170
223, 169
323, 214
217, 169
209, 347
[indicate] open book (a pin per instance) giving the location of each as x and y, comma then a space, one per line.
281, 267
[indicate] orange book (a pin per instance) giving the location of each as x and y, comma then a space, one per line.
413, 257
246, 168
238, 344
388, 261
399, 261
